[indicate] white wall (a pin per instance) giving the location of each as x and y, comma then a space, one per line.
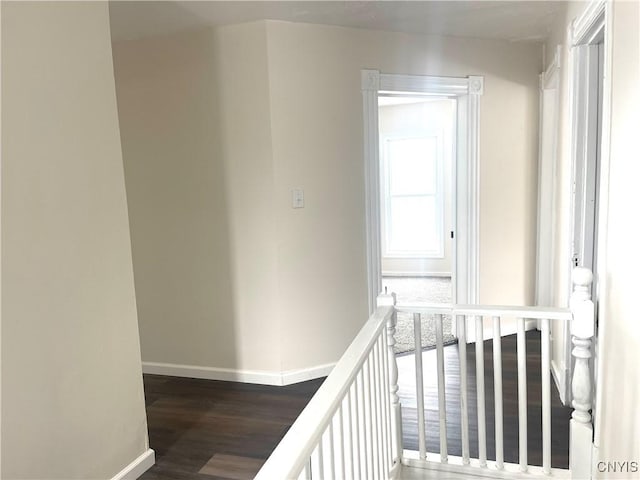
72, 395
618, 417
415, 119
289, 115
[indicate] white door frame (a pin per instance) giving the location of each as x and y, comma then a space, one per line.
467, 91
547, 164
593, 25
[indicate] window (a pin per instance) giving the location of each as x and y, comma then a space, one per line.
413, 203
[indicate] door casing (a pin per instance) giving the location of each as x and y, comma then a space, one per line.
467, 91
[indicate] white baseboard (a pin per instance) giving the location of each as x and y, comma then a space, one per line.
416, 274
559, 376
136, 468
261, 377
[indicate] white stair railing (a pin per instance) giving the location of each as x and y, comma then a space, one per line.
475, 315
351, 428
582, 331
581, 316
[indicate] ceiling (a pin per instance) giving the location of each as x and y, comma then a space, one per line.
528, 21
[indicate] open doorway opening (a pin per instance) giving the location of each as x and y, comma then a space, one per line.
417, 144
453, 135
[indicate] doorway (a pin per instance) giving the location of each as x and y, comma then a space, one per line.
590, 39
417, 149
461, 94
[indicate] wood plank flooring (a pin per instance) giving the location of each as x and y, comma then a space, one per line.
560, 415
208, 430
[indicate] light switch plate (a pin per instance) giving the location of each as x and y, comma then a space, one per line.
297, 198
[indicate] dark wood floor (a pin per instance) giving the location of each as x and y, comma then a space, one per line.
203, 429
559, 414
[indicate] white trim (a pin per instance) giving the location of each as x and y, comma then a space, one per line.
547, 163
396, 273
262, 377
370, 86
587, 26
476, 88
559, 377
550, 78
603, 215
593, 25
473, 469
416, 84
136, 468
467, 91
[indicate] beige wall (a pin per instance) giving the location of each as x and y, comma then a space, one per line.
417, 119
318, 143
72, 397
242, 82
197, 154
289, 115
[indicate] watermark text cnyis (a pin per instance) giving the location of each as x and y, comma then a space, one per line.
619, 467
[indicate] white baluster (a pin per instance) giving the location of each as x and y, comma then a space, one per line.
396, 416
582, 331
375, 465
387, 403
417, 336
461, 321
353, 451
444, 454
546, 396
332, 457
382, 397
317, 466
360, 430
307, 470
497, 386
368, 426
482, 425
522, 393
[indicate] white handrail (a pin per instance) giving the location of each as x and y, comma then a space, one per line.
293, 452
354, 423
535, 313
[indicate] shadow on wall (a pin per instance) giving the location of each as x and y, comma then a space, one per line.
177, 199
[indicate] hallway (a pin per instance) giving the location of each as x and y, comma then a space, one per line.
203, 429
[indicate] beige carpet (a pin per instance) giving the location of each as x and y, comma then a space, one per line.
423, 289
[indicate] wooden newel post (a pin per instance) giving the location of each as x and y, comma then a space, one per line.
396, 417
582, 331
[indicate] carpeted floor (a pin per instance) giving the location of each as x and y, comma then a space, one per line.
423, 289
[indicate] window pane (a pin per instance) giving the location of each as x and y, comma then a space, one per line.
413, 225
412, 165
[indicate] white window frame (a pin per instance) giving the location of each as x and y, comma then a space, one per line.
439, 197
